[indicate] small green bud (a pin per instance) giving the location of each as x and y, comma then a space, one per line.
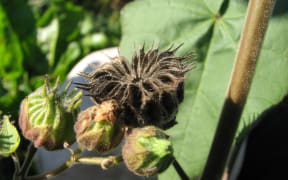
147, 151
47, 116
99, 128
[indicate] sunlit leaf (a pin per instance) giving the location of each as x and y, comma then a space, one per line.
9, 137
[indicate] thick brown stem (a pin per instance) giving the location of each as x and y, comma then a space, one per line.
252, 37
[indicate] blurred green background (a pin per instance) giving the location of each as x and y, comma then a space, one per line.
39, 37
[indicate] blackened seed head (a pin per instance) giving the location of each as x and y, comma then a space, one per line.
135, 97
152, 110
180, 91
169, 102
149, 89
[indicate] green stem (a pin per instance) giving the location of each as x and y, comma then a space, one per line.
252, 37
21, 172
53, 173
16, 161
70, 162
104, 162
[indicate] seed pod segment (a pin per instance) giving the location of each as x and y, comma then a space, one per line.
99, 128
47, 115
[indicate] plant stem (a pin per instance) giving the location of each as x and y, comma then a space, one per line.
252, 37
16, 161
28, 160
53, 173
70, 162
180, 171
104, 162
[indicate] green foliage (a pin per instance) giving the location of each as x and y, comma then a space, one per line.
212, 29
46, 37
10, 50
39, 37
9, 137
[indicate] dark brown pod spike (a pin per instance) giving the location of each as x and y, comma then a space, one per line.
149, 89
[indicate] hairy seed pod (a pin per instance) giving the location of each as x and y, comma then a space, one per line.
47, 116
149, 90
98, 127
147, 151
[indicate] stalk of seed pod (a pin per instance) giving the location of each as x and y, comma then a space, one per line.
47, 115
98, 127
147, 151
149, 89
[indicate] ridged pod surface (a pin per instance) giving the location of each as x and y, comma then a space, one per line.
47, 115
149, 89
147, 151
99, 128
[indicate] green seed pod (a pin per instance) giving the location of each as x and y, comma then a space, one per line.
147, 151
99, 128
47, 116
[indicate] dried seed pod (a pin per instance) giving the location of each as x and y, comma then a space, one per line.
99, 128
149, 90
147, 151
47, 116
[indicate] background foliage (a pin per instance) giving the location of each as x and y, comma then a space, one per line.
39, 37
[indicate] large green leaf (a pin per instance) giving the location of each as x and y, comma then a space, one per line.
10, 51
212, 29
22, 21
66, 34
61, 27
9, 137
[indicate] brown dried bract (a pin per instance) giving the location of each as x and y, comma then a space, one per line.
149, 89
104, 136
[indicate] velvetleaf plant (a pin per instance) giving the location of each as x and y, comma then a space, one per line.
146, 92
139, 100
216, 16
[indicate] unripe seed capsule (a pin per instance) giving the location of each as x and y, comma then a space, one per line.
47, 116
99, 128
147, 151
